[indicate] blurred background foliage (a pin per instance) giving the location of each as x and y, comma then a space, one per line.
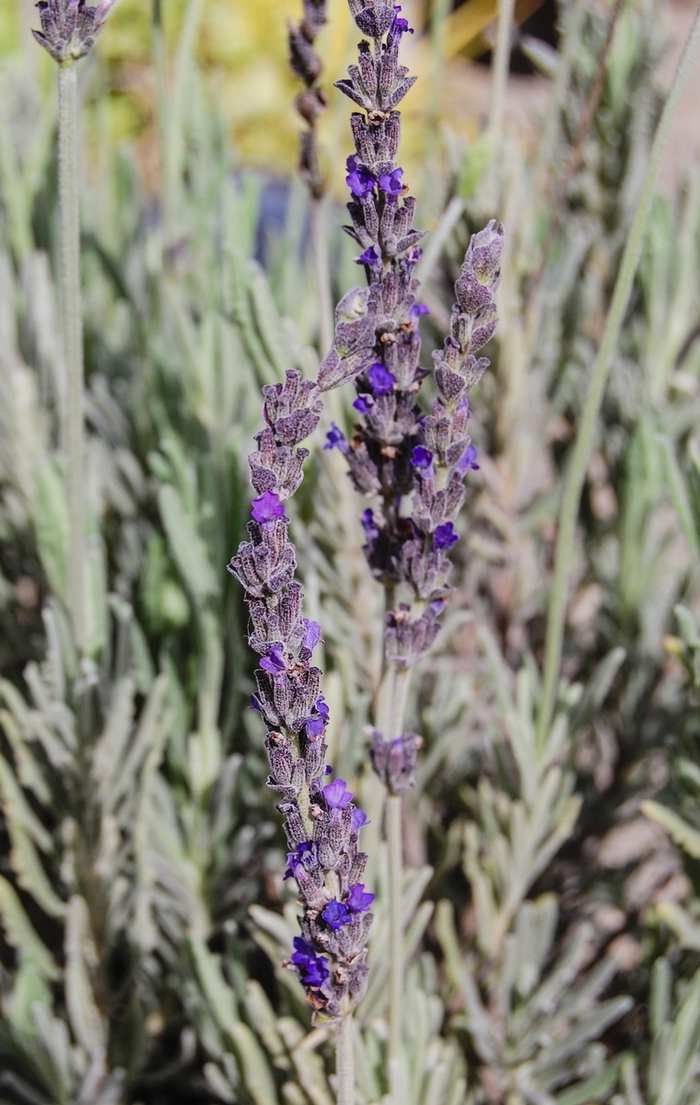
552, 890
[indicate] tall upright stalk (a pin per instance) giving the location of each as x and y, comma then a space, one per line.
501, 64
345, 1062
576, 474
72, 338
394, 837
322, 272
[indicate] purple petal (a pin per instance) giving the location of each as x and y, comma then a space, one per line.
359, 818
335, 436
421, 457
381, 379
336, 915
267, 508
336, 795
312, 633
358, 900
444, 536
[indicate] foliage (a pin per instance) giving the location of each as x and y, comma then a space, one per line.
144, 916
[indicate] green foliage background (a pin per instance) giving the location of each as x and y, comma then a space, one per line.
552, 893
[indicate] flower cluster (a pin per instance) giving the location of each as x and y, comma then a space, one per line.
69, 27
412, 465
310, 103
322, 822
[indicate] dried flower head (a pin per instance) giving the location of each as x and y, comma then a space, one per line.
69, 27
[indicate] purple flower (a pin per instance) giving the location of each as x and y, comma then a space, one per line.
444, 536
359, 818
274, 661
363, 403
358, 900
267, 508
421, 457
369, 525
391, 182
417, 310
313, 968
315, 727
335, 436
381, 380
337, 797
467, 460
336, 915
400, 24
322, 707
370, 256
295, 859
312, 633
359, 181
256, 704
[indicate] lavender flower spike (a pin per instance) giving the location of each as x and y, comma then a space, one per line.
322, 822
69, 27
398, 455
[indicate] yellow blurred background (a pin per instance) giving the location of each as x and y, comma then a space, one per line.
241, 46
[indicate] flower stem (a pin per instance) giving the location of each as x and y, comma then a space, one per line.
345, 1062
394, 837
576, 474
322, 275
72, 338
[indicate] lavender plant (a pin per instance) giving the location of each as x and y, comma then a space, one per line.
412, 465
322, 822
68, 31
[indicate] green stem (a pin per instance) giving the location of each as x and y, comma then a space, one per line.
345, 1062
72, 338
394, 837
322, 274
577, 471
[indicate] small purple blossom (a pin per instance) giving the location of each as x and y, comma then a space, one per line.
322, 707
417, 310
359, 819
295, 859
315, 727
335, 436
467, 460
370, 256
313, 968
400, 24
421, 457
312, 633
392, 183
369, 525
274, 661
336, 795
380, 378
364, 403
256, 704
358, 900
267, 508
444, 536
359, 181
336, 915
